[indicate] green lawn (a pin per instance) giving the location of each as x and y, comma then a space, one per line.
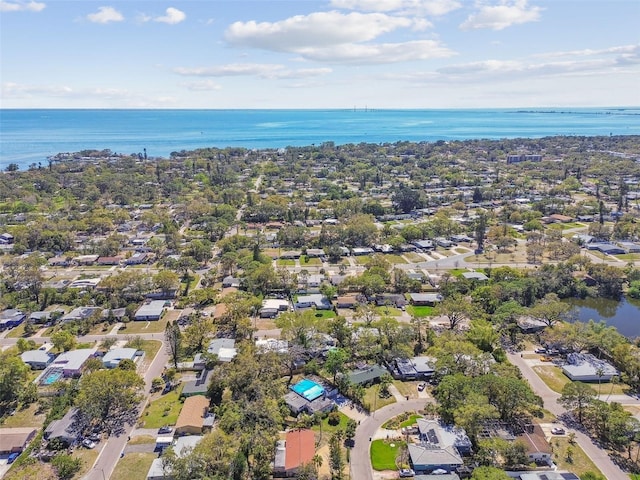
407, 388
372, 398
88, 458
579, 463
394, 259
420, 311
163, 411
387, 311
304, 260
285, 262
383, 454
413, 257
552, 376
325, 314
16, 332
25, 417
324, 433
151, 348
133, 466
412, 420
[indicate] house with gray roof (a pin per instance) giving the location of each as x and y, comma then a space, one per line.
37, 359
72, 362
150, 311
114, 356
317, 300
366, 376
63, 429
11, 318
224, 348
584, 367
440, 449
425, 299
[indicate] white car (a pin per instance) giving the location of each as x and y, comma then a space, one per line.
406, 473
557, 431
88, 443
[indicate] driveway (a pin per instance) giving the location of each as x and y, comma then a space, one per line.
600, 457
360, 458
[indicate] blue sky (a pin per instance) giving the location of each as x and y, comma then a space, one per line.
319, 54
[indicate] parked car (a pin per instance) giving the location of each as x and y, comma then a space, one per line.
12, 457
94, 437
546, 358
88, 443
406, 473
421, 386
557, 431
541, 350
165, 429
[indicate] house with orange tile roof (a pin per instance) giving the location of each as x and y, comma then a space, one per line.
297, 449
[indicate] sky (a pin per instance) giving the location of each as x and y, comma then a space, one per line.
217, 54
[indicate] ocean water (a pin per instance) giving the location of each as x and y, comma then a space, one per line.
30, 136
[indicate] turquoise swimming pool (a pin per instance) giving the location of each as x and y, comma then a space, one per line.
308, 389
51, 377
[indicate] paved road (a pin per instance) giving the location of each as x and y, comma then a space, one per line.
609, 469
360, 458
110, 453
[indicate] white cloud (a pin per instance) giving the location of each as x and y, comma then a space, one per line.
622, 49
262, 70
362, 54
22, 6
202, 86
105, 15
337, 37
172, 16
502, 15
314, 30
428, 7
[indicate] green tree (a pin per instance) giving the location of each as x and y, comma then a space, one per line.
173, 340
14, 376
550, 309
489, 473
109, 398
577, 397
335, 363
66, 466
457, 309
63, 340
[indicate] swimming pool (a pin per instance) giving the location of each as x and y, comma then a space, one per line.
308, 389
51, 377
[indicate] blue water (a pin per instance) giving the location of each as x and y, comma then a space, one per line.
52, 378
308, 389
30, 136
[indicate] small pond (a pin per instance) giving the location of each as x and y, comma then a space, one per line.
623, 314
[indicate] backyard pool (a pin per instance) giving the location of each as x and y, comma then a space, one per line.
308, 389
51, 377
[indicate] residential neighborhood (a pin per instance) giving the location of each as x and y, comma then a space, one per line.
409, 310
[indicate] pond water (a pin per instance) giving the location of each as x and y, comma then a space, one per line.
623, 314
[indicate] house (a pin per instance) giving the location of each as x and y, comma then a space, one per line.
393, 299
191, 418
181, 446
315, 280
291, 255
230, 282
530, 325
424, 244
109, 260
542, 475
63, 429
478, 276
37, 359
317, 300
584, 367
72, 363
315, 252
199, 386
413, 368
152, 310
538, 449
223, 348
556, 217
15, 440
347, 301
271, 307
606, 248
308, 396
41, 317
359, 251
6, 239
425, 299
80, 313
630, 247
138, 258
366, 376
85, 283
11, 318
441, 447
114, 356
296, 450
85, 259
264, 345
444, 243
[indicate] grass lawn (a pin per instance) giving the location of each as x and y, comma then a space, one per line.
552, 376
323, 434
325, 314
30, 470
133, 465
142, 440
413, 257
304, 260
412, 420
629, 257
156, 326
402, 420
285, 262
394, 259
88, 458
16, 332
407, 388
151, 348
387, 311
457, 272
25, 418
383, 454
420, 311
163, 411
372, 398
579, 464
